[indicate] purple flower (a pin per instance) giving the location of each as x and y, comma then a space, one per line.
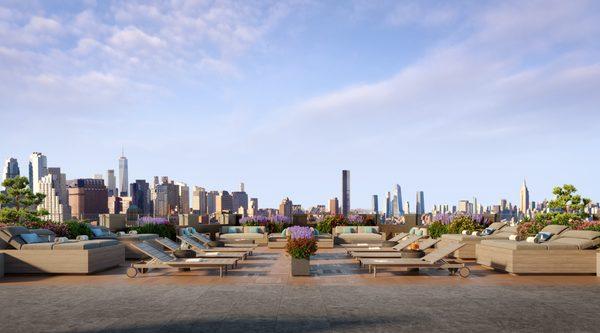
152, 220
355, 219
298, 232
258, 219
280, 219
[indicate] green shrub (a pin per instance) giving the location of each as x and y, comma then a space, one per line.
162, 229
76, 228
437, 229
461, 223
301, 248
326, 225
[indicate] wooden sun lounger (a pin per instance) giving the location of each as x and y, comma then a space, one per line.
423, 245
161, 259
191, 242
435, 259
401, 245
173, 246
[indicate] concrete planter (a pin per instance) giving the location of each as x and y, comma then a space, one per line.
300, 267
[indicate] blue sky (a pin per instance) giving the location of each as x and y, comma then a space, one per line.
458, 99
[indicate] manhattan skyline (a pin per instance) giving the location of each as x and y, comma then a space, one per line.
456, 102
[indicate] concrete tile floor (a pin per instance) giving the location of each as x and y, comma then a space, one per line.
260, 296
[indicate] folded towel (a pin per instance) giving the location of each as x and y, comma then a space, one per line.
512, 237
362, 244
211, 253
121, 233
465, 232
132, 232
530, 240
194, 260
82, 238
475, 233
60, 239
374, 248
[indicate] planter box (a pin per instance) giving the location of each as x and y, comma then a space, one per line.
300, 267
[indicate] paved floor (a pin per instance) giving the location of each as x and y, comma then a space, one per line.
261, 297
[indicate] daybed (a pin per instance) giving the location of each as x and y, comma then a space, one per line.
37, 251
352, 235
131, 252
498, 230
230, 234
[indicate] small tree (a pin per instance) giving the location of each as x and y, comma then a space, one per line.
566, 200
19, 203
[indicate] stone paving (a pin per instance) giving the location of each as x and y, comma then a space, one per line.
261, 297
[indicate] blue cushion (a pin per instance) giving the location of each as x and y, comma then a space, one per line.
419, 232
542, 237
283, 233
31, 238
487, 231
97, 232
316, 232
413, 231
255, 230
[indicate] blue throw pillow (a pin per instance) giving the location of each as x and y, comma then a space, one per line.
97, 232
419, 233
316, 232
413, 231
283, 233
487, 231
31, 238
254, 230
542, 237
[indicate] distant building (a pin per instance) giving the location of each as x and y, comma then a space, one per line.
334, 206
375, 204
211, 202
463, 206
253, 209
388, 205
10, 169
167, 198
115, 205
223, 201
38, 168
199, 205
123, 175
406, 208
286, 207
88, 198
240, 200
420, 204
111, 182
99, 176
345, 192
140, 196
56, 201
524, 198
183, 206
397, 208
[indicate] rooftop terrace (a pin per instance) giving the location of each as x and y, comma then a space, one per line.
260, 296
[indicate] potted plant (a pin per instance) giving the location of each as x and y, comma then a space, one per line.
301, 244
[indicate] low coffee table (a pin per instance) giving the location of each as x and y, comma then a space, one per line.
412, 254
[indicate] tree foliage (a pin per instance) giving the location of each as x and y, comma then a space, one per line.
567, 200
19, 203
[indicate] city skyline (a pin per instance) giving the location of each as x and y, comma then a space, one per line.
456, 101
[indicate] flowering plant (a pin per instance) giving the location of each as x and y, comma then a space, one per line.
152, 220
277, 223
254, 220
301, 244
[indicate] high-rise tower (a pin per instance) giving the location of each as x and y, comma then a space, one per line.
345, 192
420, 205
10, 169
524, 198
38, 168
123, 175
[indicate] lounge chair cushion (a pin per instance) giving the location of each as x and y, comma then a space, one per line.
581, 234
98, 232
31, 238
241, 236
512, 245
460, 237
554, 228
232, 230
76, 245
346, 230
254, 230
353, 238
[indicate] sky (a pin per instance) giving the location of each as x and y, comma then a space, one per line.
457, 99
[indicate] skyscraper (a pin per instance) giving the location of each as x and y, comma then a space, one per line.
406, 208
10, 169
253, 209
375, 204
38, 168
388, 204
140, 195
167, 198
524, 198
111, 182
123, 175
240, 200
334, 206
286, 207
54, 187
211, 202
88, 198
345, 192
184, 198
420, 204
223, 201
199, 205
397, 208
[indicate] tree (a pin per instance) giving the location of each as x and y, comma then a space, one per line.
566, 200
19, 203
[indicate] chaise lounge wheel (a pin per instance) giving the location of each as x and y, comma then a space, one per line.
452, 271
131, 272
464, 272
143, 270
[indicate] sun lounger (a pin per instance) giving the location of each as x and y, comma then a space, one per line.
423, 245
173, 246
401, 245
195, 245
435, 259
500, 231
161, 259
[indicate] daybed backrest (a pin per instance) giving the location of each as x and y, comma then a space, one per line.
46, 234
10, 235
428, 242
582, 234
368, 230
398, 237
497, 225
255, 229
201, 237
555, 229
442, 252
153, 252
345, 230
